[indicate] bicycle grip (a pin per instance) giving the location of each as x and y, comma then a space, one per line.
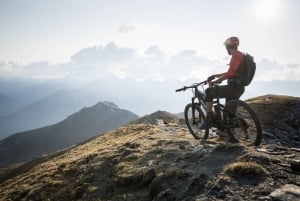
182, 89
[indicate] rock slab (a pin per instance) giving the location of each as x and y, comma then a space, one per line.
286, 192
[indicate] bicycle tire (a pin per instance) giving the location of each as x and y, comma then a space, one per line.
244, 126
193, 122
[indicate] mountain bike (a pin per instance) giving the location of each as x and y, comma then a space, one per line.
236, 118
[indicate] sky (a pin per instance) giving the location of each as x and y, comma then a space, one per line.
157, 39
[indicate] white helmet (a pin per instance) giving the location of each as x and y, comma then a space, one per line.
232, 42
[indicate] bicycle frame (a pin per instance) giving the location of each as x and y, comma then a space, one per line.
198, 95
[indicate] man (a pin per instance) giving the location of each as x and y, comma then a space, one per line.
229, 91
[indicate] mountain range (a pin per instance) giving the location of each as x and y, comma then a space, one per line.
36, 104
7, 105
76, 128
49, 108
46, 111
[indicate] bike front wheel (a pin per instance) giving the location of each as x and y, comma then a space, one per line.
242, 123
194, 116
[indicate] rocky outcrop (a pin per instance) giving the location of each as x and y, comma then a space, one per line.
280, 117
286, 192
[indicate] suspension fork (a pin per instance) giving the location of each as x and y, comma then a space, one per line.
193, 110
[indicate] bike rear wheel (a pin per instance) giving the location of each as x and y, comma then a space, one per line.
242, 122
194, 116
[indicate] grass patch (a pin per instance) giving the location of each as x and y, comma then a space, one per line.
177, 173
168, 179
92, 189
133, 157
128, 179
245, 169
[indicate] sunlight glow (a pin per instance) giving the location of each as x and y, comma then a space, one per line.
267, 10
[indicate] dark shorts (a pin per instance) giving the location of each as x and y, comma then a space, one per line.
230, 91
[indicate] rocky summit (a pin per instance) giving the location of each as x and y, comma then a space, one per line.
160, 160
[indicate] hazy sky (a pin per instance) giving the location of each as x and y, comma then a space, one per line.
143, 32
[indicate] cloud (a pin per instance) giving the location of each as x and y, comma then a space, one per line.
189, 65
34, 70
269, 70
125, 28
156, 65
154, 52
110, 53
153, 63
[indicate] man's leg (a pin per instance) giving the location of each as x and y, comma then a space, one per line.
224, 91
210, 94
208, 107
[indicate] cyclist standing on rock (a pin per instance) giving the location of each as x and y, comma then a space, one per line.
230, 91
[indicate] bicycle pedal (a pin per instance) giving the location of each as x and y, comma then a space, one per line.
221, 133
233, 140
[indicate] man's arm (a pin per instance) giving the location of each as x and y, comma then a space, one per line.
235, 61
220, 77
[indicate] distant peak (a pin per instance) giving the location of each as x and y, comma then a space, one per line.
107, 104
152, 118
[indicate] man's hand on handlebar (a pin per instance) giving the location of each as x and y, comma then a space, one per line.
211, 83
210, 80
212, 77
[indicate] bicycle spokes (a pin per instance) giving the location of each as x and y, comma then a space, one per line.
194, 117
243, 123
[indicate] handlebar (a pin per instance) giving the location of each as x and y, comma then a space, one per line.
181, 89
192, 86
